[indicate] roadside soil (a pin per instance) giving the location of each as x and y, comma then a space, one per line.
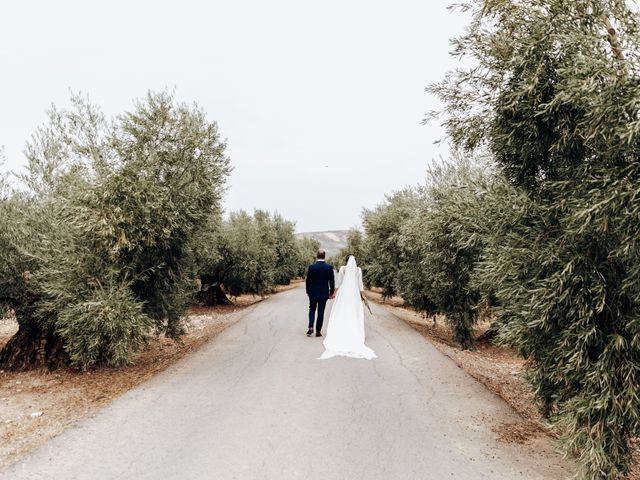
498, 368
37, 405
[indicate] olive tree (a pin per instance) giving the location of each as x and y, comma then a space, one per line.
307, 251
355, 246
383, 232
103, 242
440, 246
553, 95
287, 250
249, 254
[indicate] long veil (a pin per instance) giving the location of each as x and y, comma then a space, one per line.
345, 332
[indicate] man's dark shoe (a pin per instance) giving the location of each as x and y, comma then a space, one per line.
310, 332
318, 334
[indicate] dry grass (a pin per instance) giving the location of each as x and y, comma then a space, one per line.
66, 395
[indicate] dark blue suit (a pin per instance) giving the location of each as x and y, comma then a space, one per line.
320, 286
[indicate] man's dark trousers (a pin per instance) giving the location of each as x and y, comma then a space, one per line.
320, 305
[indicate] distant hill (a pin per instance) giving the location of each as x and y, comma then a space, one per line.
332, 242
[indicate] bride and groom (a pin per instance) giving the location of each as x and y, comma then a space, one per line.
345, 332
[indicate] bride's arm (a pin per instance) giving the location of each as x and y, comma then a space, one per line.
341, 274
339, 280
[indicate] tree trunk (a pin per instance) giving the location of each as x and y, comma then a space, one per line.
488, 336
33, 348
212, 294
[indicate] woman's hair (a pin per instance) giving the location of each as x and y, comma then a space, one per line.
346, 259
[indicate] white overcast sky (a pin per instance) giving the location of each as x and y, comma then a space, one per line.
320, 102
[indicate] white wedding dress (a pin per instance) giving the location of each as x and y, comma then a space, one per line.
345, 332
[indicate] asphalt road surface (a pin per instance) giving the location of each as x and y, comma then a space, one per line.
255, 403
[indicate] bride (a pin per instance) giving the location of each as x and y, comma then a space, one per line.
345, 333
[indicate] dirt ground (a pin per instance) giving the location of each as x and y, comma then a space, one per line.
499, 369
37, 405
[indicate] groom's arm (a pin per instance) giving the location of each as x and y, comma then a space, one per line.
307, 281
332, 283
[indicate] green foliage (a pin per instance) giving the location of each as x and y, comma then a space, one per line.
112, 319
383, 229
566, 283
425, 245
248, 253
287, 251
23, 246
553, 95
355, 246
15, 214
441, 247
104, 242
307, 251
253, 254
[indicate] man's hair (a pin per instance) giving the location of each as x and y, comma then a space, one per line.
321, 254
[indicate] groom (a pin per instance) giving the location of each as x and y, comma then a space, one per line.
320, 288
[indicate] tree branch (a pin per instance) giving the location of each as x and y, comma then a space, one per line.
612, 37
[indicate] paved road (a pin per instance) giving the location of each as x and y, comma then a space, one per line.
255, 403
